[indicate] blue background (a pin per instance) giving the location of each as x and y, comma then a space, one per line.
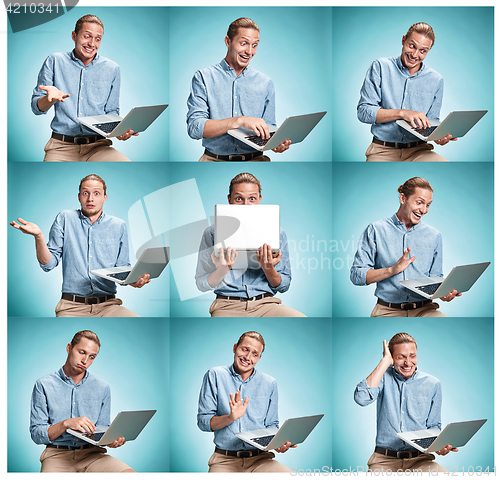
294, 50
462, 54
133, 361
135, 38
303, 382
304, 193
462, 210
37, 193
458, 351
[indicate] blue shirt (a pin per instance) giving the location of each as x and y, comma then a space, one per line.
82, 247
241, 283
388, 84
402, 405
56, 398
94, 90
217, 93
383, 244
261, 411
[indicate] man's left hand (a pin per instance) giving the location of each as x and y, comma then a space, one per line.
285, 447
445, 140
446, 450
127, 135
266, 259
282, 146
451, 296
141, 282
117, 443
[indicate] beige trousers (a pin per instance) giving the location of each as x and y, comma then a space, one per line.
262, 463
265, 307
109, 308
420, 153
384, 463
428, 310
100, 151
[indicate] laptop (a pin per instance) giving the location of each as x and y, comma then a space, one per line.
460, 278
455, 434
293, 128
246, 228
456, 123
112, 125
152, 261
125, 424
294, 430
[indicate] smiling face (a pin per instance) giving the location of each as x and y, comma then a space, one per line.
246, 356
241, 48
414, 207
80, 357
415, 49
92, 198
404, 356
245, 194
87, 41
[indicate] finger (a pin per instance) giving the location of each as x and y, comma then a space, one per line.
20, 220
246, 401
411, 259
231, 400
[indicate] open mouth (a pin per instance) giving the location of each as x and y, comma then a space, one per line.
245, 58
418, 216
88, 50
244, 363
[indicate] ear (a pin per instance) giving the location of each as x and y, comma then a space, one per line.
402, 198
234, 348
73, 36
403, 41
227, 41
229, 199
105, 198
68, 347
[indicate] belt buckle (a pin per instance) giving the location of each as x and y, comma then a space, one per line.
91, 301
234, 158
77, 141
243, 454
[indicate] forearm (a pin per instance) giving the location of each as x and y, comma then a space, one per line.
217, 276
373, 380
216, 128
385, 115
273, 277
216, 423
376, 275
43, 254
43, 103
57, 430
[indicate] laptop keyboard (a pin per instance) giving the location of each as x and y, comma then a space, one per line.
429, 289
259, 140
424, 442
263, 441
425, 132
119, 275
106, 127
94, 436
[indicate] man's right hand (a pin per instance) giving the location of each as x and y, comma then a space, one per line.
81, 424
238, 409
53, 94
27, 227
402, 263
225, 261
415, 119
387, 356
256, 124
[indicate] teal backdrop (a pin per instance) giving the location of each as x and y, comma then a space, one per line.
458, 351
136, 38
462, 54
462, 210
133, 361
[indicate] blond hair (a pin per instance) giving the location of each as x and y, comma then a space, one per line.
423, 29
400, 338
255, 335
242, 22
408, 188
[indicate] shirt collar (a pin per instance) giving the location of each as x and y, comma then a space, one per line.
403, 69
75, 59
225, 66
67, 379
401, 225
234, 374
400, 378
83, 217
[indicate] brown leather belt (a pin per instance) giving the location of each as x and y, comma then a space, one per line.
234, 158
239, 453
404, 306
243, 299
397, 454
396, 144
86, 300
68, 447
76, 140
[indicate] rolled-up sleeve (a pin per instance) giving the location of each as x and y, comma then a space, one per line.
283, 267
55, 243
207, 402
269, 114
272, 419
39, 417
198, 110
370, 95
364, 259
435, 110
46, 78
437, 259
364, 395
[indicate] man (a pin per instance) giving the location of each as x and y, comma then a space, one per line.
403, 88
407, 400
73, 398
85, 240
230, 95
249, 292
78, 84
383, 255
225, 414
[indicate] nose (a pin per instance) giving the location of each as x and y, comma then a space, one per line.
246, 202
